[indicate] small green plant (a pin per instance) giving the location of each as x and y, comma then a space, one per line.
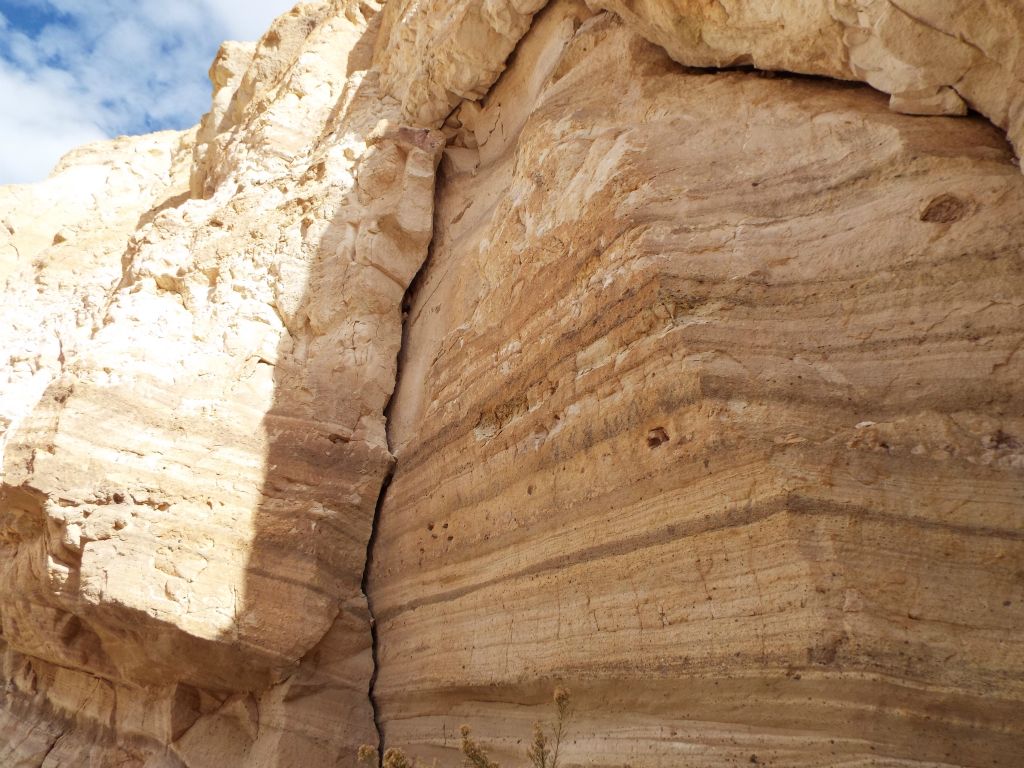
543, 750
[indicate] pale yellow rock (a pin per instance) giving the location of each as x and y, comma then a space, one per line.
226, 72
188, 507
931, 55
709, 399
433, 55
57, 269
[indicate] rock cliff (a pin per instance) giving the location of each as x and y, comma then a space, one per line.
668, 350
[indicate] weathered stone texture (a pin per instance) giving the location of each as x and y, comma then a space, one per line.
186, 511
708, 403
57, 269
933, 56
710, 408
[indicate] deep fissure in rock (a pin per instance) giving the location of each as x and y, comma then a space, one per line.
369, 607
405, 307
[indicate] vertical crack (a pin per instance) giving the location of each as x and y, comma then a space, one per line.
49, 749
369, 605
405, 307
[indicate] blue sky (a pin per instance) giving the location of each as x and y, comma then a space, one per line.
74, 71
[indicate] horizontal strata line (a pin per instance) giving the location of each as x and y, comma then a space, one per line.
725, 288
468, 500
713, 288
791, 503
328, 592
736, 679
840, 349
480, 381
428, 448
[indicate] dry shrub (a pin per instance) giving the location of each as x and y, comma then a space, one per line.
542, 753
393, 758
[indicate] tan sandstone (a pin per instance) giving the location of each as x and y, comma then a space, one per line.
710, 409
708, 402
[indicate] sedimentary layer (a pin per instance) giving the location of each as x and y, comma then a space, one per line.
710, 409
708, 402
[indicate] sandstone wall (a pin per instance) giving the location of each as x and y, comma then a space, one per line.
710, 409
187, 509
708, 395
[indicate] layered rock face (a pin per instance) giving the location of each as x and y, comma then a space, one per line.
708, 401
935, 57
710, 409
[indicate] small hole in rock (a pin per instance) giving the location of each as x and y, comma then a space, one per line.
944, 209
656, 437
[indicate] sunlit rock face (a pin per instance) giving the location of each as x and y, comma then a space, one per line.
935, 57
707, 398
186, 510
61, 243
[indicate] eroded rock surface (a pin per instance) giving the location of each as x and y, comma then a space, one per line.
710, 409
709, 402
935, 57
186, 511
57, 269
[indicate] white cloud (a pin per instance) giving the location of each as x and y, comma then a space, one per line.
100, 69
40, 122
246, 20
